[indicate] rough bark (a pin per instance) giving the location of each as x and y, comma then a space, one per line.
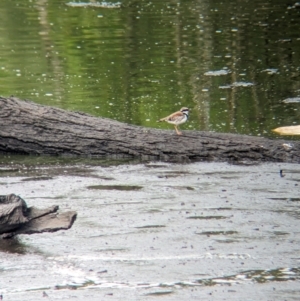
29, 128
16, 218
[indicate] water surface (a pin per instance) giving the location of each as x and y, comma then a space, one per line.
234, 64
152, 231
231, 238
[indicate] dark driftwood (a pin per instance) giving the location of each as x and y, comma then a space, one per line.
29, 128
16, 218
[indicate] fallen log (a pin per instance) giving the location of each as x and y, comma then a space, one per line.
30, 128
16, 218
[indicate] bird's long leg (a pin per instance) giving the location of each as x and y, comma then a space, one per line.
178, 133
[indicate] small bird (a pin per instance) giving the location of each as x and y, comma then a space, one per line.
177, 118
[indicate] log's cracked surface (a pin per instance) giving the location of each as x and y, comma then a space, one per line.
30, 128
16, 218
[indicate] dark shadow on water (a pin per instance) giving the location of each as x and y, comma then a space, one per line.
158, 294
207, 217
13, 245
151, 226
286, 199
37, 179
115, 187
281, 233
222, 208
182, 187
16, 246
217, 233
112, 250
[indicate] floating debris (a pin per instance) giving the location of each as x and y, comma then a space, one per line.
94, 4
270, 71
296, 5
281, 173
225, 87
236, 85
284, 40
241, 84
288, 130
217, 72
291, 100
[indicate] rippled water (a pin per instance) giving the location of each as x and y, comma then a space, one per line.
181, 232
235, 64
177, 232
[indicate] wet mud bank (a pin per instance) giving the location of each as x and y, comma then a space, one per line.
144, 231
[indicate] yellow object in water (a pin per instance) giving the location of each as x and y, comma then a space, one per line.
288, 130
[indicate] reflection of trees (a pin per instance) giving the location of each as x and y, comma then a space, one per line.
50, 49
199, 61
199, 83
247, 40
148, 57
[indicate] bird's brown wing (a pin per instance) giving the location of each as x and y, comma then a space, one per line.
172, 117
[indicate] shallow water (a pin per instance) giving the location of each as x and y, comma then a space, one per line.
236, 65
190, 232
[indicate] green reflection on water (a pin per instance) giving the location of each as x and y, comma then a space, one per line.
146, 59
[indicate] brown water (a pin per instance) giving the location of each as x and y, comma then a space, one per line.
236, 64
203, 231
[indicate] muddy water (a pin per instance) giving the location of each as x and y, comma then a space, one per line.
203, 231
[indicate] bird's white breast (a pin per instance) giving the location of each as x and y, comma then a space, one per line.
178, 120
